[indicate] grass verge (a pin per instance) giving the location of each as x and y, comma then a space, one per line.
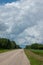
33, 60
4, 50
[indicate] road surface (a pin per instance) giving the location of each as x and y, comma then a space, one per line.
15, 57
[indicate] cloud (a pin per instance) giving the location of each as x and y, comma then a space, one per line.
22, 21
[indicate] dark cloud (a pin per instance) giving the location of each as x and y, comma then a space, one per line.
3, 27
22, 20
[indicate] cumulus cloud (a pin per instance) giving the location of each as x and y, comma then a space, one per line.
22, 21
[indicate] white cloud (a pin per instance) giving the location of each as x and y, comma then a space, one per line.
22, 20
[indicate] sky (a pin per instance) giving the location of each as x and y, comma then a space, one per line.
22, 21
7, 1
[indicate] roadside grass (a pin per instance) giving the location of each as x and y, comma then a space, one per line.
4, 50
33, 60
39, 52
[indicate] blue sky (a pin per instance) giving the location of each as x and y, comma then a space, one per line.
22, 21
7, 1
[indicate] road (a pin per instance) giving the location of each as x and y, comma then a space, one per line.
15, 57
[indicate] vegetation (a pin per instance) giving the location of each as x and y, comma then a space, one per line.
35, 53
4, 50
35, 46
7, 44
34, 59
39, 52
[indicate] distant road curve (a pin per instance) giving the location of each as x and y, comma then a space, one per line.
15, 57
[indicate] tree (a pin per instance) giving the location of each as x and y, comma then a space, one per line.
7, 44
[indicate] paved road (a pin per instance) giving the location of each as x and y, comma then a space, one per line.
15, 57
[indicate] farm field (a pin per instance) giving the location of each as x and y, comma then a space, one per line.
39, 52
34, 58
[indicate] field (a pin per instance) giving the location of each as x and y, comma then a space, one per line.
39, 52
35, 59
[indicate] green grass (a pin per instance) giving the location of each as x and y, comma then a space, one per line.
39, 52
4, 50
33, 60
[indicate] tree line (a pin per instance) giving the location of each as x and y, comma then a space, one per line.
7, 44
35, 46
